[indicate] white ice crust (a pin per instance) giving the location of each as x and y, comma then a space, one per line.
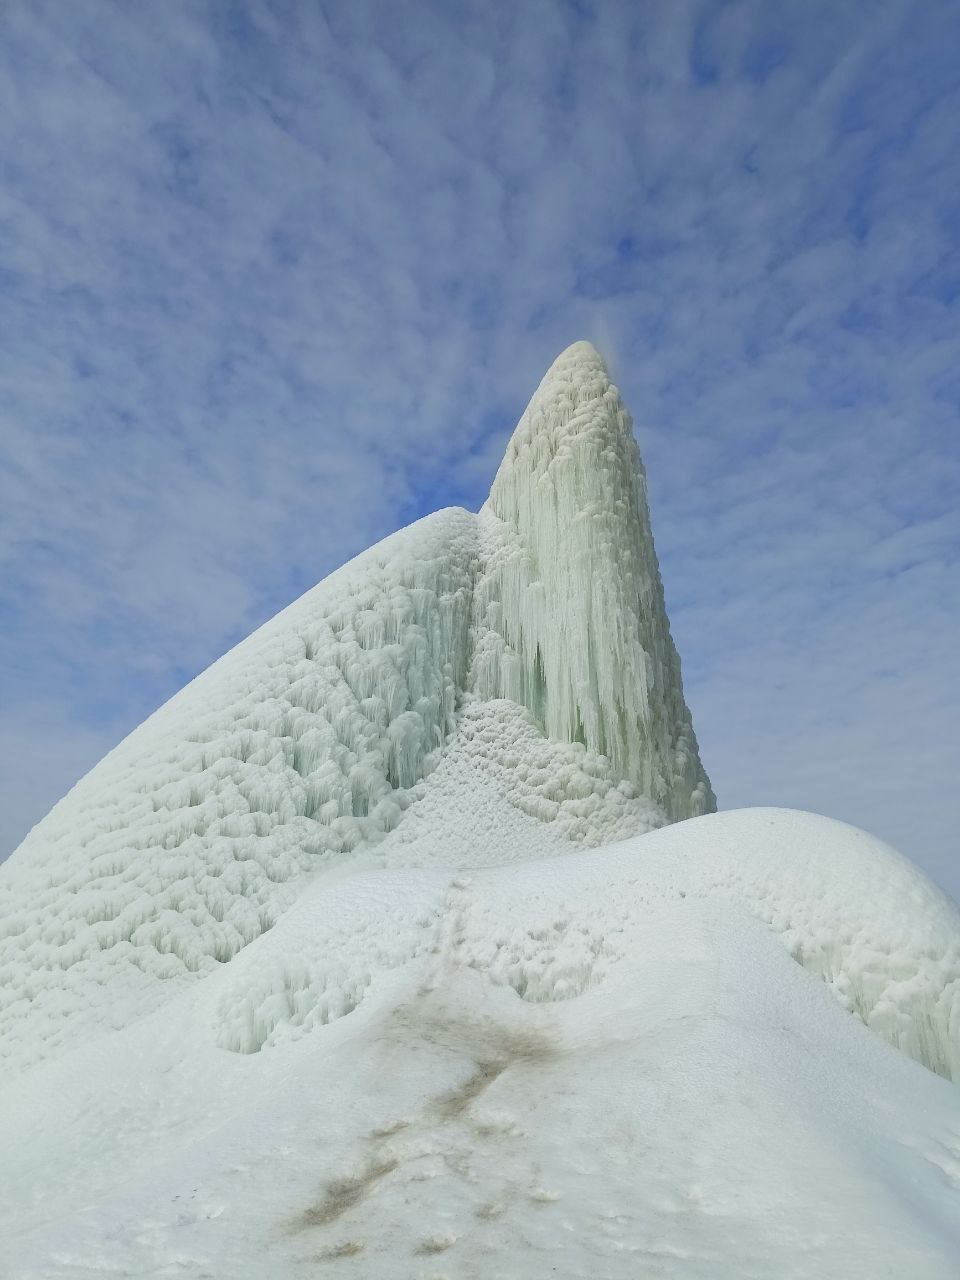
405, 939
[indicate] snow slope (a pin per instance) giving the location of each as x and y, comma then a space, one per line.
403, 942
587, 1065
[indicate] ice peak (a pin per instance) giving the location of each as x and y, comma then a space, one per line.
574, 395
582, 355
570, 616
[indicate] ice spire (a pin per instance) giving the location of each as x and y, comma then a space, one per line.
569, 609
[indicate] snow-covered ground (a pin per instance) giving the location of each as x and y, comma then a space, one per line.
404, 942
600, 1063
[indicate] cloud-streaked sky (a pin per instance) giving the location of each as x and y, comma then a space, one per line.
278, 276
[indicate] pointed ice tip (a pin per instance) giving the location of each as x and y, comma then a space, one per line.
581, 353
579, 373
583, 350
575, 399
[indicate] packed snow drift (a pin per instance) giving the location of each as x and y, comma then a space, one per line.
405, 941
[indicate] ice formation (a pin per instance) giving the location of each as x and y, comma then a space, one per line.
190, 838
406, 931
308, 740
570, 615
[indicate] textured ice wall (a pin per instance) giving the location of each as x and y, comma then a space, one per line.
186, 842
569, 604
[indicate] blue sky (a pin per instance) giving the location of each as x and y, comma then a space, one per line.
276, 278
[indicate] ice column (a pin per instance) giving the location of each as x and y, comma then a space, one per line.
568, 609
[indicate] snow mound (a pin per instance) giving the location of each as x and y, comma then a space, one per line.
846, 907
601, 1062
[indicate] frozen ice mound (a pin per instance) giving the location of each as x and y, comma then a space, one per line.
405, 939
191, 837
602, 1062
844, 905
310, 740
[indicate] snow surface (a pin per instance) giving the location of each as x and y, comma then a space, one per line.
593, 1064
374, 952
